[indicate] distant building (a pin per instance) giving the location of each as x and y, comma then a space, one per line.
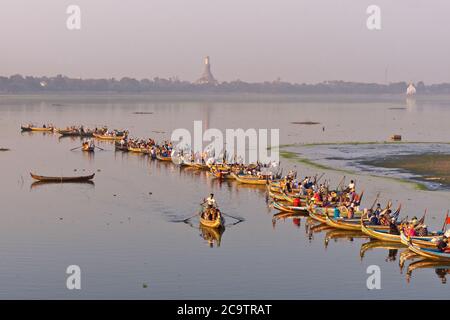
207, 77
410, 91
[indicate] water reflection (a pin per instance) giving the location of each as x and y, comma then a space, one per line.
392, 248
343, 235
295, 217
213, 236
49, 183
441, 268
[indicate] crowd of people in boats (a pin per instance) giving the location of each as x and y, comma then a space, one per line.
343, 204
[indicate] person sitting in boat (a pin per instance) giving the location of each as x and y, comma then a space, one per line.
442, 244
373, 217
317, 197
378, 210
336, 213
384, 218
422, 231
393, 227
351, 213
410, 230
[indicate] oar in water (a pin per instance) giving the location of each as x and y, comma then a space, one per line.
237, 218
99, 148
76, 148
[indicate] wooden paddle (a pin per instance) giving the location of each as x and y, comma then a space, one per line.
445, 221
375, 201
237, 218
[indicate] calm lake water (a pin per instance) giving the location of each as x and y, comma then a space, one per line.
122, 231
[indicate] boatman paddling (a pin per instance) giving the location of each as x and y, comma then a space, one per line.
210, 201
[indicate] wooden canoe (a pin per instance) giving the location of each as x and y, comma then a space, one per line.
38, 129
383, 234
108, 137
424, 242
429, 253
218, 223
291, 209
247, 179
87, 148
138, 150
344, 223
119, 147
62, 179
160, 157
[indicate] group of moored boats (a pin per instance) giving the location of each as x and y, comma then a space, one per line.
340, 209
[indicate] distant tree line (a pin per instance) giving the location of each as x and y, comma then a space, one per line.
29, 84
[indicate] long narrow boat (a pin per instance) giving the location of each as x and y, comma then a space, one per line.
109, 137
429, 253
75, 133
62, 179
276, 196
343, 223
138, 150
384, 235
38, 129
291, 209
424, 242
248, 179
162, 158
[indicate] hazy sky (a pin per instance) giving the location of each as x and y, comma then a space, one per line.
252, 40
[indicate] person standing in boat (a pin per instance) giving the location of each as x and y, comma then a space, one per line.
351, 186
211, 202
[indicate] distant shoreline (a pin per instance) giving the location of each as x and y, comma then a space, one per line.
261, 98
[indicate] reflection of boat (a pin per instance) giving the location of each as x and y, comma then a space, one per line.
62, 179
212, 235
407, 255
344, 234
42, 183
372, 244
336, 234
442, 268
